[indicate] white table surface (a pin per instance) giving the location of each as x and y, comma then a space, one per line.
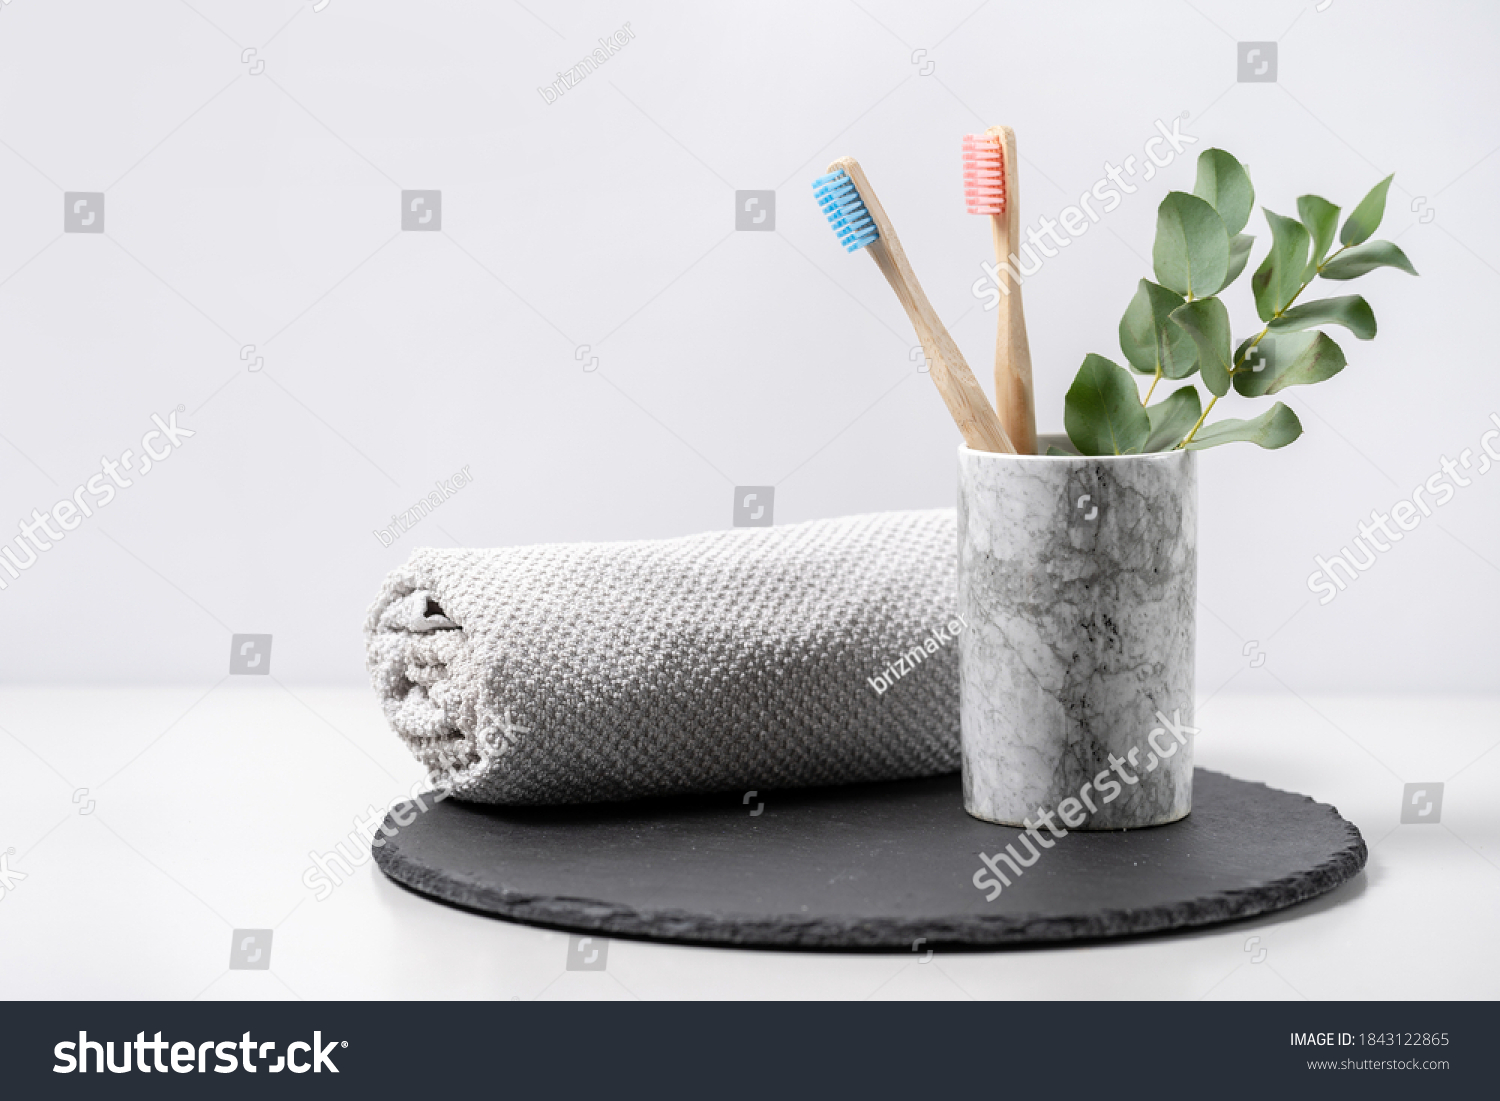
206, 803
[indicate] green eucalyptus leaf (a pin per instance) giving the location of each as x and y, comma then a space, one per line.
1173, 417
1290, 359
1225, 185
1239, 255
1356, 261
1322, 221
1191, 253
1207, 322
1366, 217
1279, 277
1102, 411
1351, 311
1150, 342
1276, 427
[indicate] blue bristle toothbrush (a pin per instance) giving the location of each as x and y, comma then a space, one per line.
860, 222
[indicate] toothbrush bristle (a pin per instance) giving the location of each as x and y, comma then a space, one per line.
984, 174
845, 210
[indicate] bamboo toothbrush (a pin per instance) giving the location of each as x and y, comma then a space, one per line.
860, 222
990, 188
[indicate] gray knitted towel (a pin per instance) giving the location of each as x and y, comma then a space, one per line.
816, 653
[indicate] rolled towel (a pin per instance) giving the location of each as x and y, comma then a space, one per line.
814, 653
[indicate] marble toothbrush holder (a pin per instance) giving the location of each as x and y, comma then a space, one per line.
1077, 578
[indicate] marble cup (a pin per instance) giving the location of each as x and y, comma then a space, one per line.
1077, 578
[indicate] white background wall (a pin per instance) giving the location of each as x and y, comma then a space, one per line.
264, 209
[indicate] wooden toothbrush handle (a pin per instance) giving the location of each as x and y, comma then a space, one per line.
966, 400
1013, 396
967, 403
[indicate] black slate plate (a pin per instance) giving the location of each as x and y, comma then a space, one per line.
867, 866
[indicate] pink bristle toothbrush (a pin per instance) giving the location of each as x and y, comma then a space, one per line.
860, 221
990, 188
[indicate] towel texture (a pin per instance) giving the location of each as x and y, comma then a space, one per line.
738, 659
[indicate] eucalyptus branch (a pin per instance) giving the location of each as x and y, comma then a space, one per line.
1173, 329
1207, 409
1152, 388
1239, 363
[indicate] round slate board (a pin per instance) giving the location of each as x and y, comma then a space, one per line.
867, 866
